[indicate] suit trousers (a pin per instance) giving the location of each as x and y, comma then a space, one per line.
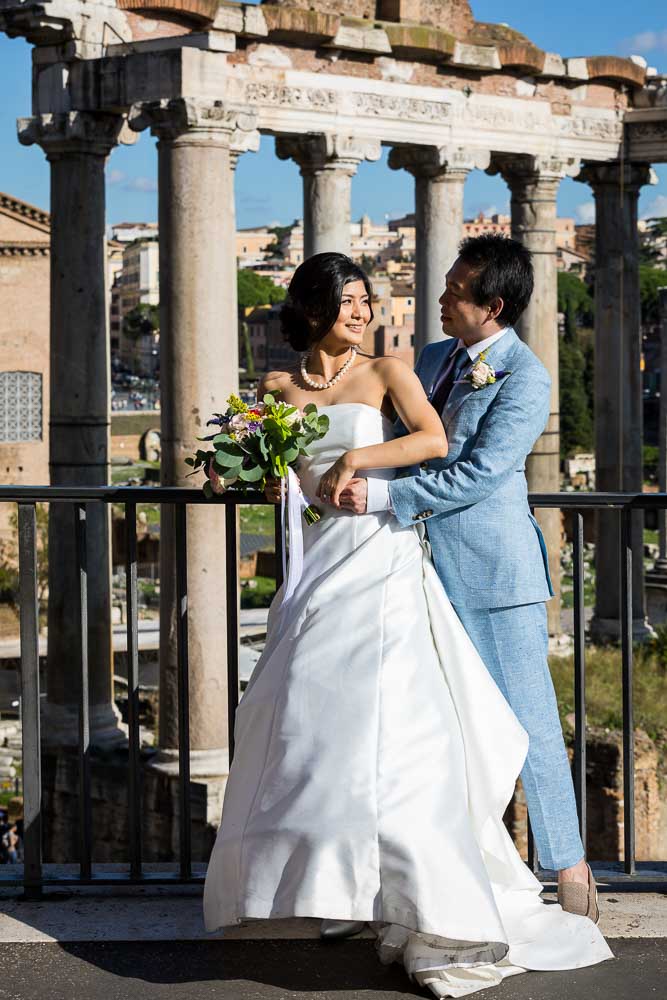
513, 643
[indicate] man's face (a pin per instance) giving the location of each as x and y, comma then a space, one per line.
460, 315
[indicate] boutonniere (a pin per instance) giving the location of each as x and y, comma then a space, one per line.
482, 373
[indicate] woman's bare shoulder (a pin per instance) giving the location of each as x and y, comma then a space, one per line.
275, 380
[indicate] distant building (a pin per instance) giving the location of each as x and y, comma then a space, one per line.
137, 282
24, 346
252, 246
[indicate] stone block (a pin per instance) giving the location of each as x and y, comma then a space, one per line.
230, 17
476, 56
616, 68
269, 55
294, 24
361, 39
420, 41
577, 69
254, 22
554, 65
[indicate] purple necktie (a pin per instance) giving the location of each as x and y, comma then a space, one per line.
441, 394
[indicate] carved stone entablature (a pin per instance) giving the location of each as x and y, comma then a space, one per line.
438, 161
84, 26
327, 151
187, 119
25, 250
72, 132
646, 132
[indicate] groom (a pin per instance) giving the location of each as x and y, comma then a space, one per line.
493, 396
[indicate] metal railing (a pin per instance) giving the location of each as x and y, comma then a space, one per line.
33, 878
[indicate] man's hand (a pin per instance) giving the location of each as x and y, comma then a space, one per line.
355, 495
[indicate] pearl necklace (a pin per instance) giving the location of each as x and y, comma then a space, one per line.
305, 358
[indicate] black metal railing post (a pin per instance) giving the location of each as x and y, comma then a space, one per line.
134, 756
579, 670
232, 586
183, 690
628, 720
85, 804
30, 731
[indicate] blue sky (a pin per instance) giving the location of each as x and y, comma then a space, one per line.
571, 27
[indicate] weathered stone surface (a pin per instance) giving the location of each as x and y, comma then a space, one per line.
454, 16
293, 23
195, 10
483, 57
616, 68
521, 55
420, 41
361, 38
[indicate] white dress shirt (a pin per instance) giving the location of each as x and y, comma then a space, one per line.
378, 489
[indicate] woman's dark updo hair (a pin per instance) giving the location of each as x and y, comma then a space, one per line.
314, 296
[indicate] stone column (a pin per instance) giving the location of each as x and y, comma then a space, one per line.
327, 164
533, 182
618, 384
199, 366
77, 145
440, 174
661, 562
241, 142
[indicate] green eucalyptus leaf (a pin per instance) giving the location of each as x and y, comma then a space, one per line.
251, 475
208, 490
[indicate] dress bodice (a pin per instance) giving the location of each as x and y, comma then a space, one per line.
351, 425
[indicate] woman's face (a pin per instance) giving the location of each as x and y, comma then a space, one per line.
353, 318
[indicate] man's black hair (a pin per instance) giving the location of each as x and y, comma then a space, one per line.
502, 268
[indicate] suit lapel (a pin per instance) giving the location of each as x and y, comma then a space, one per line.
463, 390
440, 362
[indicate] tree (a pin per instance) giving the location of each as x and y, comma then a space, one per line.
575, 366
257, 290
141, 320
650, 280
575, 298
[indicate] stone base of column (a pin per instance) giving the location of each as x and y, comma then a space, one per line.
203, 763
60, 726
604, 630
659, 571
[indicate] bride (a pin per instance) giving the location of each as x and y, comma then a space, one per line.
374, 753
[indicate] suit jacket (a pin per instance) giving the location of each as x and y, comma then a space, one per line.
487, 547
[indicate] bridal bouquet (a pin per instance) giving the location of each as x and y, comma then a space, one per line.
256, 443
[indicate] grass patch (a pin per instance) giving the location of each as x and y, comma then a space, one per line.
260, 596
257, 519
603, 687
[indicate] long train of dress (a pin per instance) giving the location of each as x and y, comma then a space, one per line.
375, 757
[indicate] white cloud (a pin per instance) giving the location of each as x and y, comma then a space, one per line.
115, 176
585, 213
647, 41
656, 208
145, 184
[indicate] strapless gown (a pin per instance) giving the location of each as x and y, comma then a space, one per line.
374, 759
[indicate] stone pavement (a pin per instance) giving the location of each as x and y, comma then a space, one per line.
150, 943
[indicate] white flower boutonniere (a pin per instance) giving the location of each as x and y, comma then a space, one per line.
482, 374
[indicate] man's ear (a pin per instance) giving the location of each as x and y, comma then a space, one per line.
495, 307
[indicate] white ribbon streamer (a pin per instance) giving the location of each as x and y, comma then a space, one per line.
296, 504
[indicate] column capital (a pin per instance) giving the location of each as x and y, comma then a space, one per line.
616, 175
242, 142
519, 169
438, 162
184, 120
72, 132
317, 151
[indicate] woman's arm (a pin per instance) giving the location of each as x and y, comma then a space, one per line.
426, 438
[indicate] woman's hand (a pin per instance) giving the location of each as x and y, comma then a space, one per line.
335, 479
272, 490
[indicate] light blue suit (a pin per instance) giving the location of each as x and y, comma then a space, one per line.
491, 557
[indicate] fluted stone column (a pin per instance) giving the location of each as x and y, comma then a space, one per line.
199, 368
440, 174
618, 385
327, 164
77, 145
533, 182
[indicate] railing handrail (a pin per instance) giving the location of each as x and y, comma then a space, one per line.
190, 495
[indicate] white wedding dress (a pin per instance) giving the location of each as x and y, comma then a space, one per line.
374, 759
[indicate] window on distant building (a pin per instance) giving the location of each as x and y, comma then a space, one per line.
412, 340
20, 406
409, 302
395, 340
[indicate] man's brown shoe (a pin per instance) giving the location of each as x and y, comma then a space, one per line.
575, 897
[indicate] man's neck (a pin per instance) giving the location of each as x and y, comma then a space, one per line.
481, 335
